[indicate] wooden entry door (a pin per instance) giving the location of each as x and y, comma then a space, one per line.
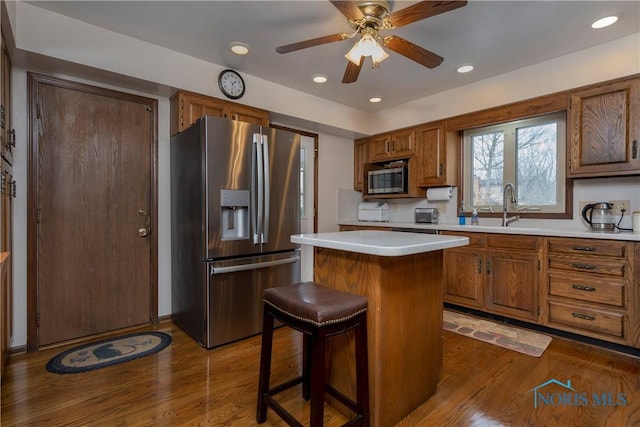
92, 246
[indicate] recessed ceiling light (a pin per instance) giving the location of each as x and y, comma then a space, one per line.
604, 22
239, 48
319, 78
375, 99
465, 68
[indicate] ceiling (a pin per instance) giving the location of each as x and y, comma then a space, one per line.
493, 36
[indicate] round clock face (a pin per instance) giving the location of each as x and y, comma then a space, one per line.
231, 84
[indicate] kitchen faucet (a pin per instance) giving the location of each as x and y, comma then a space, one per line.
506, 219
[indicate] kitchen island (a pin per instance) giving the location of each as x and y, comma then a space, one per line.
400, 274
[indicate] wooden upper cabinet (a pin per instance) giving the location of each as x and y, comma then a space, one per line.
396, 145
360, 154
604, 130
248, 114
187, 107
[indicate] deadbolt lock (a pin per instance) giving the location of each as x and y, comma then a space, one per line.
143, 232
142, 212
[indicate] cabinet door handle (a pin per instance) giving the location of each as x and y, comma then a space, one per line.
584, 288
584, 266
583, 316
488, 267
479, 266
583, 248
634, 149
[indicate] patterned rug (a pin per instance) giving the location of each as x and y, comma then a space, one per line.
108, 352
520, 340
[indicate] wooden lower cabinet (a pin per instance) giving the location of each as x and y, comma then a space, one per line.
591, 288
464, 272
496, 273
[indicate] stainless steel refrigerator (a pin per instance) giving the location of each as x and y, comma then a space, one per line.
235, 194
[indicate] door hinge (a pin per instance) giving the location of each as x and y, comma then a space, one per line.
38, 216
37, 320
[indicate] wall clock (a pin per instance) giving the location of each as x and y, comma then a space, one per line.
231, 84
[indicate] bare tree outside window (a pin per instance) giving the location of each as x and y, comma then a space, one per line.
488, 164
536, 164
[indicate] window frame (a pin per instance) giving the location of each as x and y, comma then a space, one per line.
510, 164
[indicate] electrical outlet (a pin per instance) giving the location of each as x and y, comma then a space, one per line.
619, 205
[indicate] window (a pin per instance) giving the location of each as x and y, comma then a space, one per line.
529, 153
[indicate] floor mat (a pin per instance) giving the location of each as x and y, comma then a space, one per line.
517, 339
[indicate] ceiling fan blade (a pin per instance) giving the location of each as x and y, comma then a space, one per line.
348, 9
413, 51
312, 42
423, 10
353, 71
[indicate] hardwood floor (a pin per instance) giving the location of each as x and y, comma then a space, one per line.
185, 385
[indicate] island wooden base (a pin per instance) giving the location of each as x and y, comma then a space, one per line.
404, 327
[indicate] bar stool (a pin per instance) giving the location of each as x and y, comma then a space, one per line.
318, 312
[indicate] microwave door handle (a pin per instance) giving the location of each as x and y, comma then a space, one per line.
267, 193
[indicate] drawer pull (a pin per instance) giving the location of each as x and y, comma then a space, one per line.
584, 266
583, 248
583, 288
583, 316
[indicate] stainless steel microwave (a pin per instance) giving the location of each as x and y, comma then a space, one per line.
388, 181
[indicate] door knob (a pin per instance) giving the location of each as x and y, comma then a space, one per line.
142, 232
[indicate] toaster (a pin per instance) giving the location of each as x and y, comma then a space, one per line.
426, 215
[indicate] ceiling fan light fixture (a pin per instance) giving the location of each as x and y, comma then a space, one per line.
367, 46
239, 48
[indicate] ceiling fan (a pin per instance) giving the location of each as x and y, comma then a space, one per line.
367, 18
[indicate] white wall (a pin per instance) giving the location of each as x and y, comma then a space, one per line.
92, 48
335, 171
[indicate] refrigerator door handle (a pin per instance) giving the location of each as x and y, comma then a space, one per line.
255, 266
267, 196
255, 195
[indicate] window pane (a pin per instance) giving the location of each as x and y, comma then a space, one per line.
536, 164
487, 168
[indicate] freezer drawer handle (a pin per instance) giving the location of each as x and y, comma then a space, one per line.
245, 267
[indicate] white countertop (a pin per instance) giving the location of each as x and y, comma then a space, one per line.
511, 229
381, 243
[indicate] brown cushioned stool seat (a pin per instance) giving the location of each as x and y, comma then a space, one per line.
318, 312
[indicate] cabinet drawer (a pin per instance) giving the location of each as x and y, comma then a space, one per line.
475, 239
517, 242
588, 247
587, 288
587, 318
592, 265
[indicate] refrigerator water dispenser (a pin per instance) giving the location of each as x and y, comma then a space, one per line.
234, 212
